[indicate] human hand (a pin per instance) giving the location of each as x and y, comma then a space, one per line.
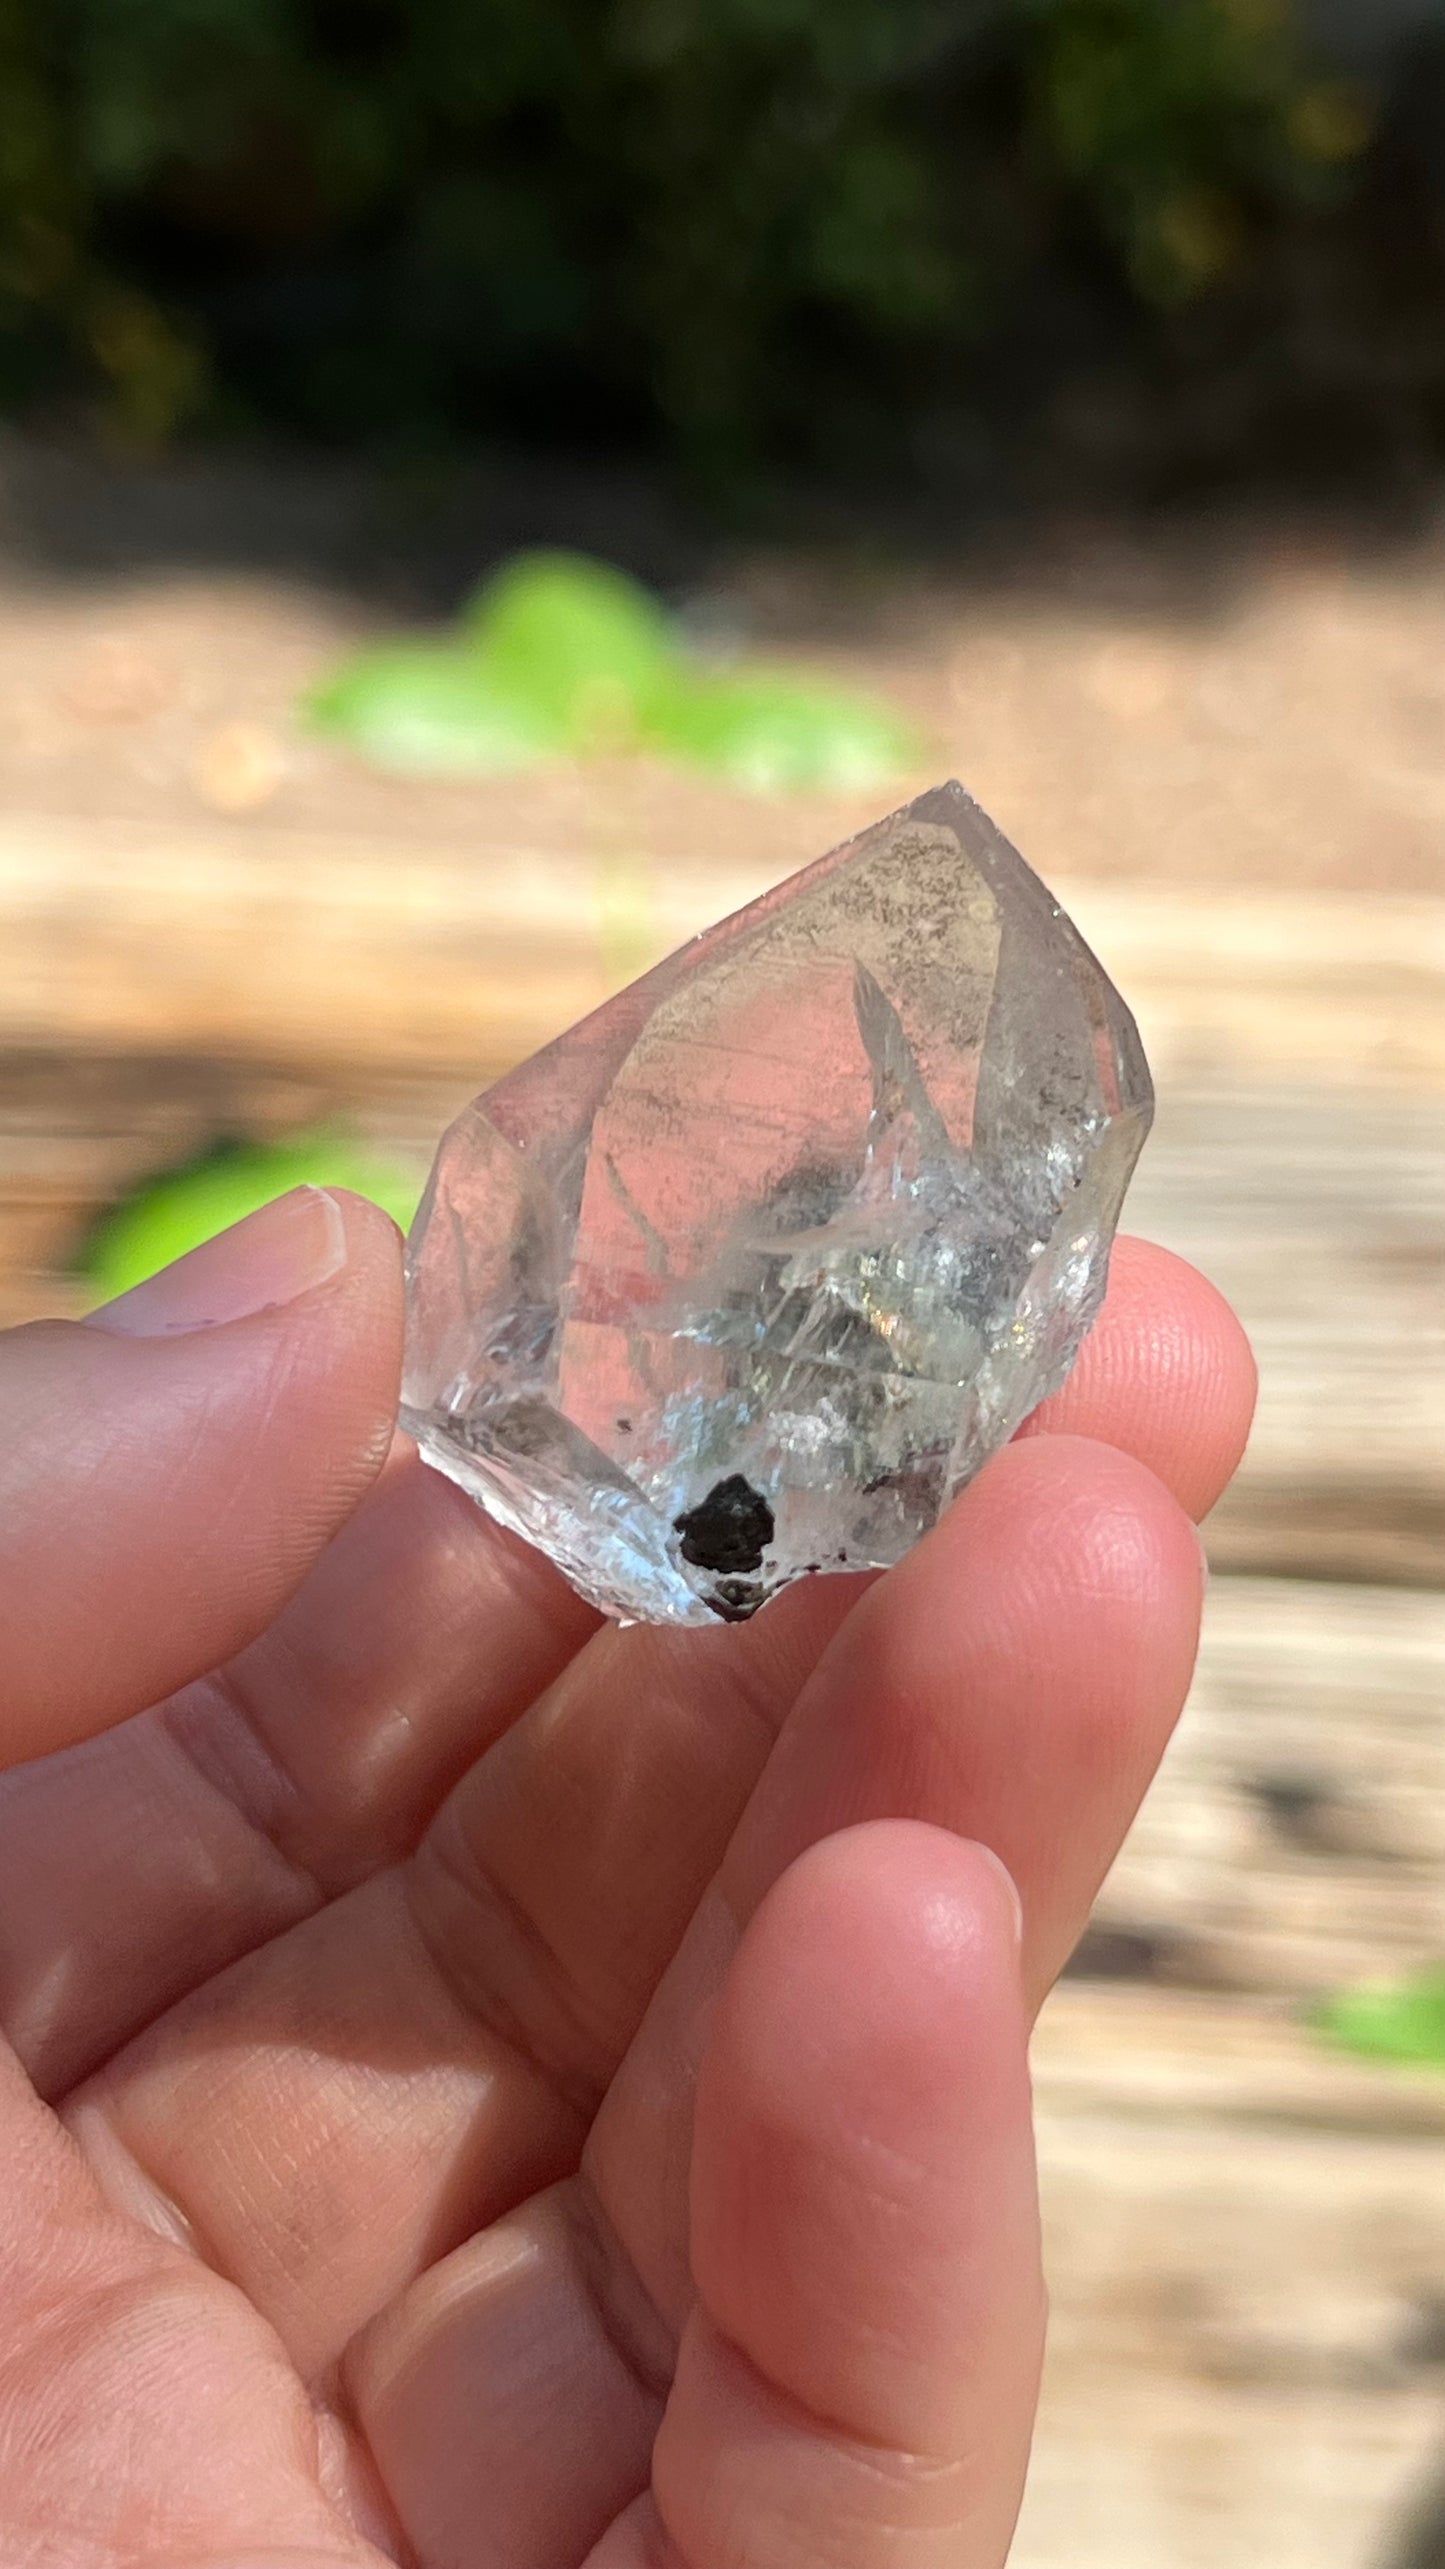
490, 2092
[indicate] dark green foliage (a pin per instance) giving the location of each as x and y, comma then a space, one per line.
779, 231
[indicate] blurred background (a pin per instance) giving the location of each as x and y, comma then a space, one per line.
1050, 392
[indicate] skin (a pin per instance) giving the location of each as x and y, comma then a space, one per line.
487, 2091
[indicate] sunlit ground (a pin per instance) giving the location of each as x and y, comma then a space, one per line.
1227, 705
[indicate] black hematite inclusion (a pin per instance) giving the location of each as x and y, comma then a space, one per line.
729, 1530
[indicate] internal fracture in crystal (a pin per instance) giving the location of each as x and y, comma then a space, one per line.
750, 1272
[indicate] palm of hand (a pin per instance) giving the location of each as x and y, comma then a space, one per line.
405, 2157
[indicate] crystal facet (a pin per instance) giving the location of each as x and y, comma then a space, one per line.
749, 1273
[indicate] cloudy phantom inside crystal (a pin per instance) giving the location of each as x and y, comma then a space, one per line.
750, 1272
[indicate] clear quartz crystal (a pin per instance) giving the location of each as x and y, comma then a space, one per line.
750, 1272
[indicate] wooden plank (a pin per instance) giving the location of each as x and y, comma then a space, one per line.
309, 948
1320, 1213
1211, 2476
1135, 2055
1245, 2346
79, 1130
241, 966
1295, 1838
1246, 2228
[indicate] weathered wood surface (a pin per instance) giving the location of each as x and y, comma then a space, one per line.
1246, 2256
315, 949
1295, 1837
1246, 2230
160, 984
1321, 1213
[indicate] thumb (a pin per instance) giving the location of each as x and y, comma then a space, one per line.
170, 1468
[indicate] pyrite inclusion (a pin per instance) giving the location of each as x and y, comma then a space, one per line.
749, 1273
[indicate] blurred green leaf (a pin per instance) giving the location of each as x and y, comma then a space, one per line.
429, 709
584, 646
177, 1212
776, 736
559, 656
1398, 2021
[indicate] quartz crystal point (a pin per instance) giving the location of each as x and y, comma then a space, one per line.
750, 1272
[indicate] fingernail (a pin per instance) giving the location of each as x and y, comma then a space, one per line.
1016, 1905
284, 1250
